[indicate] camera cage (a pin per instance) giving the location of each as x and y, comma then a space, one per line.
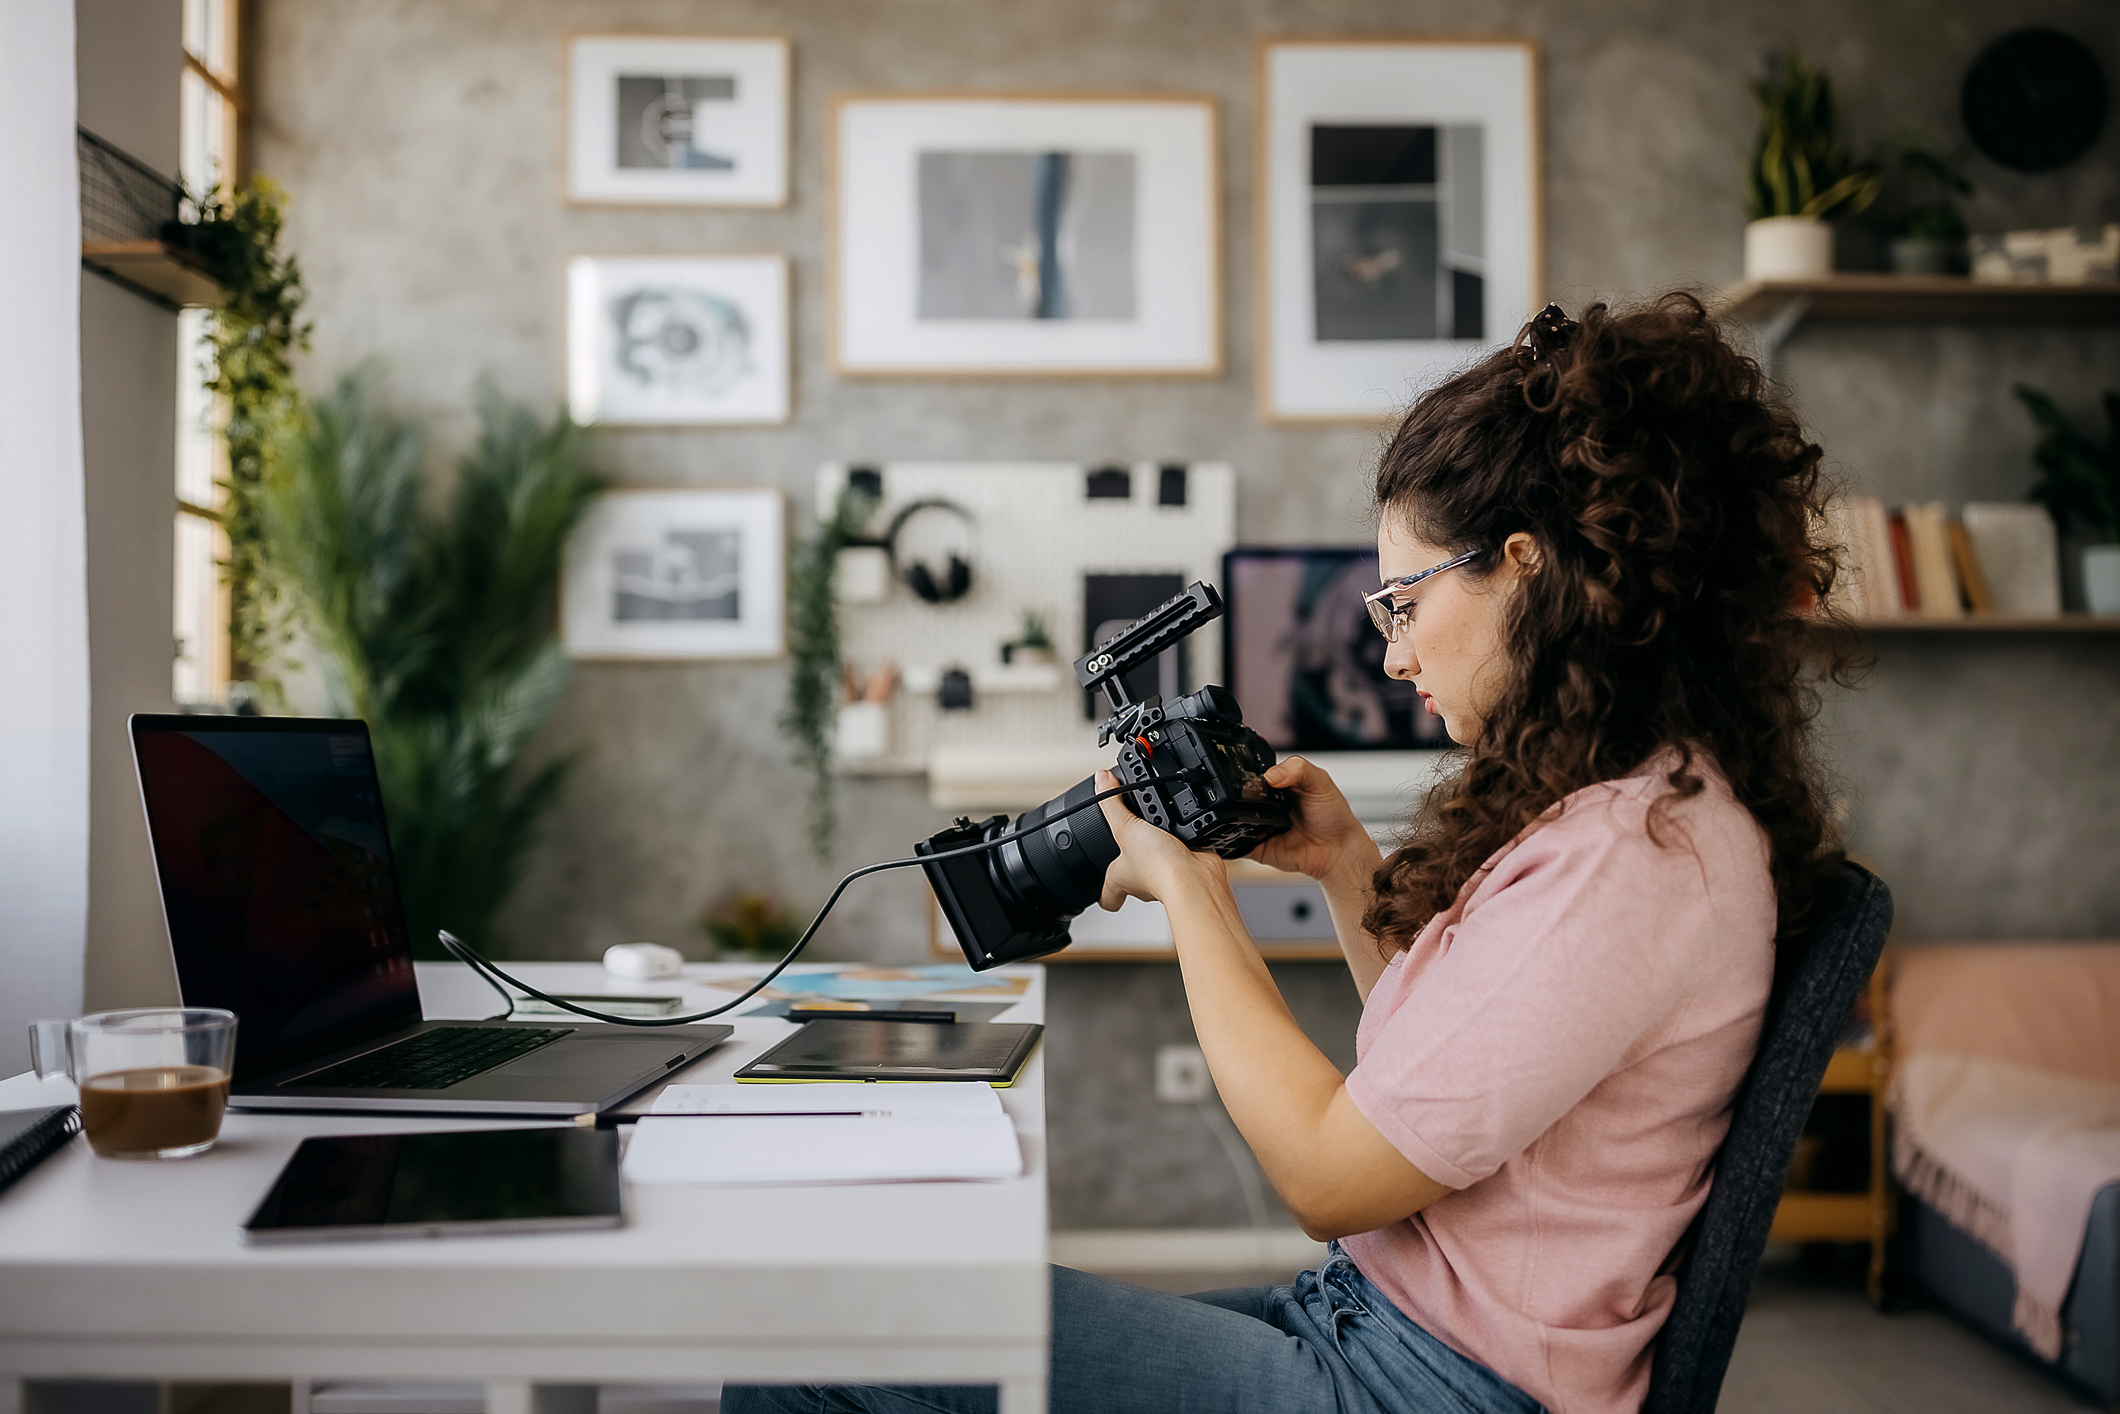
1104, 667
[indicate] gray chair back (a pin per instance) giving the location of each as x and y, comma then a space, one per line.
1805, 1018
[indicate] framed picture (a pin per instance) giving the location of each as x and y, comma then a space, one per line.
678, 340
1398, 217
1025, 236
1303, 658
676, 574
671, 120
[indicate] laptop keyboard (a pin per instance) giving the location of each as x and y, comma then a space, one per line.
436, 1059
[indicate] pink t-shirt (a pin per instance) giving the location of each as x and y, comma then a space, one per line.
1563, 1046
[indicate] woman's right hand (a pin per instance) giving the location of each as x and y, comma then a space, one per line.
1326, 839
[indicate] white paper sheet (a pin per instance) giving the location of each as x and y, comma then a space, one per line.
903, 1134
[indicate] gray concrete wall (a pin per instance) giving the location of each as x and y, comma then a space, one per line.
421, 145
130, 57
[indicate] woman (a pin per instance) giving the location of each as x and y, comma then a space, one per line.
1597, 554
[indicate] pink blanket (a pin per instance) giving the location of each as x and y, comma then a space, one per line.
2006, 1095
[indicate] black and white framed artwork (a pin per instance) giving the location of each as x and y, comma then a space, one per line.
678, 340
1398, 217
677, 120
676, 574
1000, 235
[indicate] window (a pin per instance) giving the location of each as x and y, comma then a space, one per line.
211, 105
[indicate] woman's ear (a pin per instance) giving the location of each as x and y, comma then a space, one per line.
1521, 553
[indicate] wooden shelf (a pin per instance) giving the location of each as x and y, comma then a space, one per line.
159, 269
1853, 1071
2066, 623
1921, 297
1826, 1217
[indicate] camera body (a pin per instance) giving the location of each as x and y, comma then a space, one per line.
1197, 771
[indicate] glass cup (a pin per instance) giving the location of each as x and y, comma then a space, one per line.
153, 1080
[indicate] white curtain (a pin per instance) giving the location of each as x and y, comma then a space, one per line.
43, 586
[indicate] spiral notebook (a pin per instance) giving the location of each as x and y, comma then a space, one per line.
27, 1136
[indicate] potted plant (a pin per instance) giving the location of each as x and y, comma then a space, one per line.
2079, 481
1917, 216
1801, 173
748, 924
435, 620
1033, 642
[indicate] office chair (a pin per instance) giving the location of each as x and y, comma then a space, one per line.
1805, 1018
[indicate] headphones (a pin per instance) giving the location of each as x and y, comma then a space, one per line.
953, 583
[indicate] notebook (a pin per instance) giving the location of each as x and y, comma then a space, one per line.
829, 1133
27, 1137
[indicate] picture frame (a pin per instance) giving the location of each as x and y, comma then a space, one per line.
679, 340
989, 235
677, 120
1399, 225
668, 574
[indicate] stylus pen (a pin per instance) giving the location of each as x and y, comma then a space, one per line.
745, 1114
801, 1013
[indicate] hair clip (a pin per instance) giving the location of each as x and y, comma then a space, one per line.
1548, 332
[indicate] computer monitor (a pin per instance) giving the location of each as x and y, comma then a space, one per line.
1303, 658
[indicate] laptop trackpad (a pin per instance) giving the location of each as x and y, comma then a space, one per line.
606, 1055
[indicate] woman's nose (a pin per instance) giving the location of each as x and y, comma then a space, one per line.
1400, 661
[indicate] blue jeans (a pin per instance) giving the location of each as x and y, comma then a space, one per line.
1329, 1342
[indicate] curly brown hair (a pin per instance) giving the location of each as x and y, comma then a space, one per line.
1674, 601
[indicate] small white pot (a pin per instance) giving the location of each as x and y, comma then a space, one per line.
863, 731
2101, 579
1788, 248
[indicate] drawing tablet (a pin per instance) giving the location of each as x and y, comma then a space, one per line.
434, 1185
992, 1051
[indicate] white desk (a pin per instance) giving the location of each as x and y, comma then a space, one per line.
114, 1270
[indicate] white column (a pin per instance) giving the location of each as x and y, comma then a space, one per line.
43, 574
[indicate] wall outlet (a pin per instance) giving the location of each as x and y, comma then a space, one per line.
1181, 1075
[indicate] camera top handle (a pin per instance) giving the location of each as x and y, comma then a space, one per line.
1107, 665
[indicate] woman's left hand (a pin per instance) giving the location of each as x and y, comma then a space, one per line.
1152, 864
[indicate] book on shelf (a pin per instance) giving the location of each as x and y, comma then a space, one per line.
2017, 550
1935, 581
1918, 560
1903, 564
1967, 563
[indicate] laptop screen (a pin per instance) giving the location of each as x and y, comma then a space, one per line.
277, 881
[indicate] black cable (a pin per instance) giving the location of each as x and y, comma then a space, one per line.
463, 953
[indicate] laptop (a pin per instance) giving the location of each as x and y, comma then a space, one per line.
283, 907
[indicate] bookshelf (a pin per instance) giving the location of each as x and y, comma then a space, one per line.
1994, 623
1954, 298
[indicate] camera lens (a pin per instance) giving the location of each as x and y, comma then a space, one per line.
1058, 868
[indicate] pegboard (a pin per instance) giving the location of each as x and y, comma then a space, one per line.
1035, 533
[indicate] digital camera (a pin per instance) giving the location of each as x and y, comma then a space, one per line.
1198, 773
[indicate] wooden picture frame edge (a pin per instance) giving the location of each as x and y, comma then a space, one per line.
786, 529
787, 296
835, 214
566, 128
1262, 331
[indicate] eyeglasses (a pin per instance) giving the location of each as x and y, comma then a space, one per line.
1394, 619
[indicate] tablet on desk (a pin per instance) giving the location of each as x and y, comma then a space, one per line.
437, 1185
871, 1049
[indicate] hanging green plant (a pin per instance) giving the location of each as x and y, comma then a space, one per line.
813, 655
254, 331
438, 630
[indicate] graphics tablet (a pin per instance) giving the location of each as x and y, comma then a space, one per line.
435, 1185
871, 1049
